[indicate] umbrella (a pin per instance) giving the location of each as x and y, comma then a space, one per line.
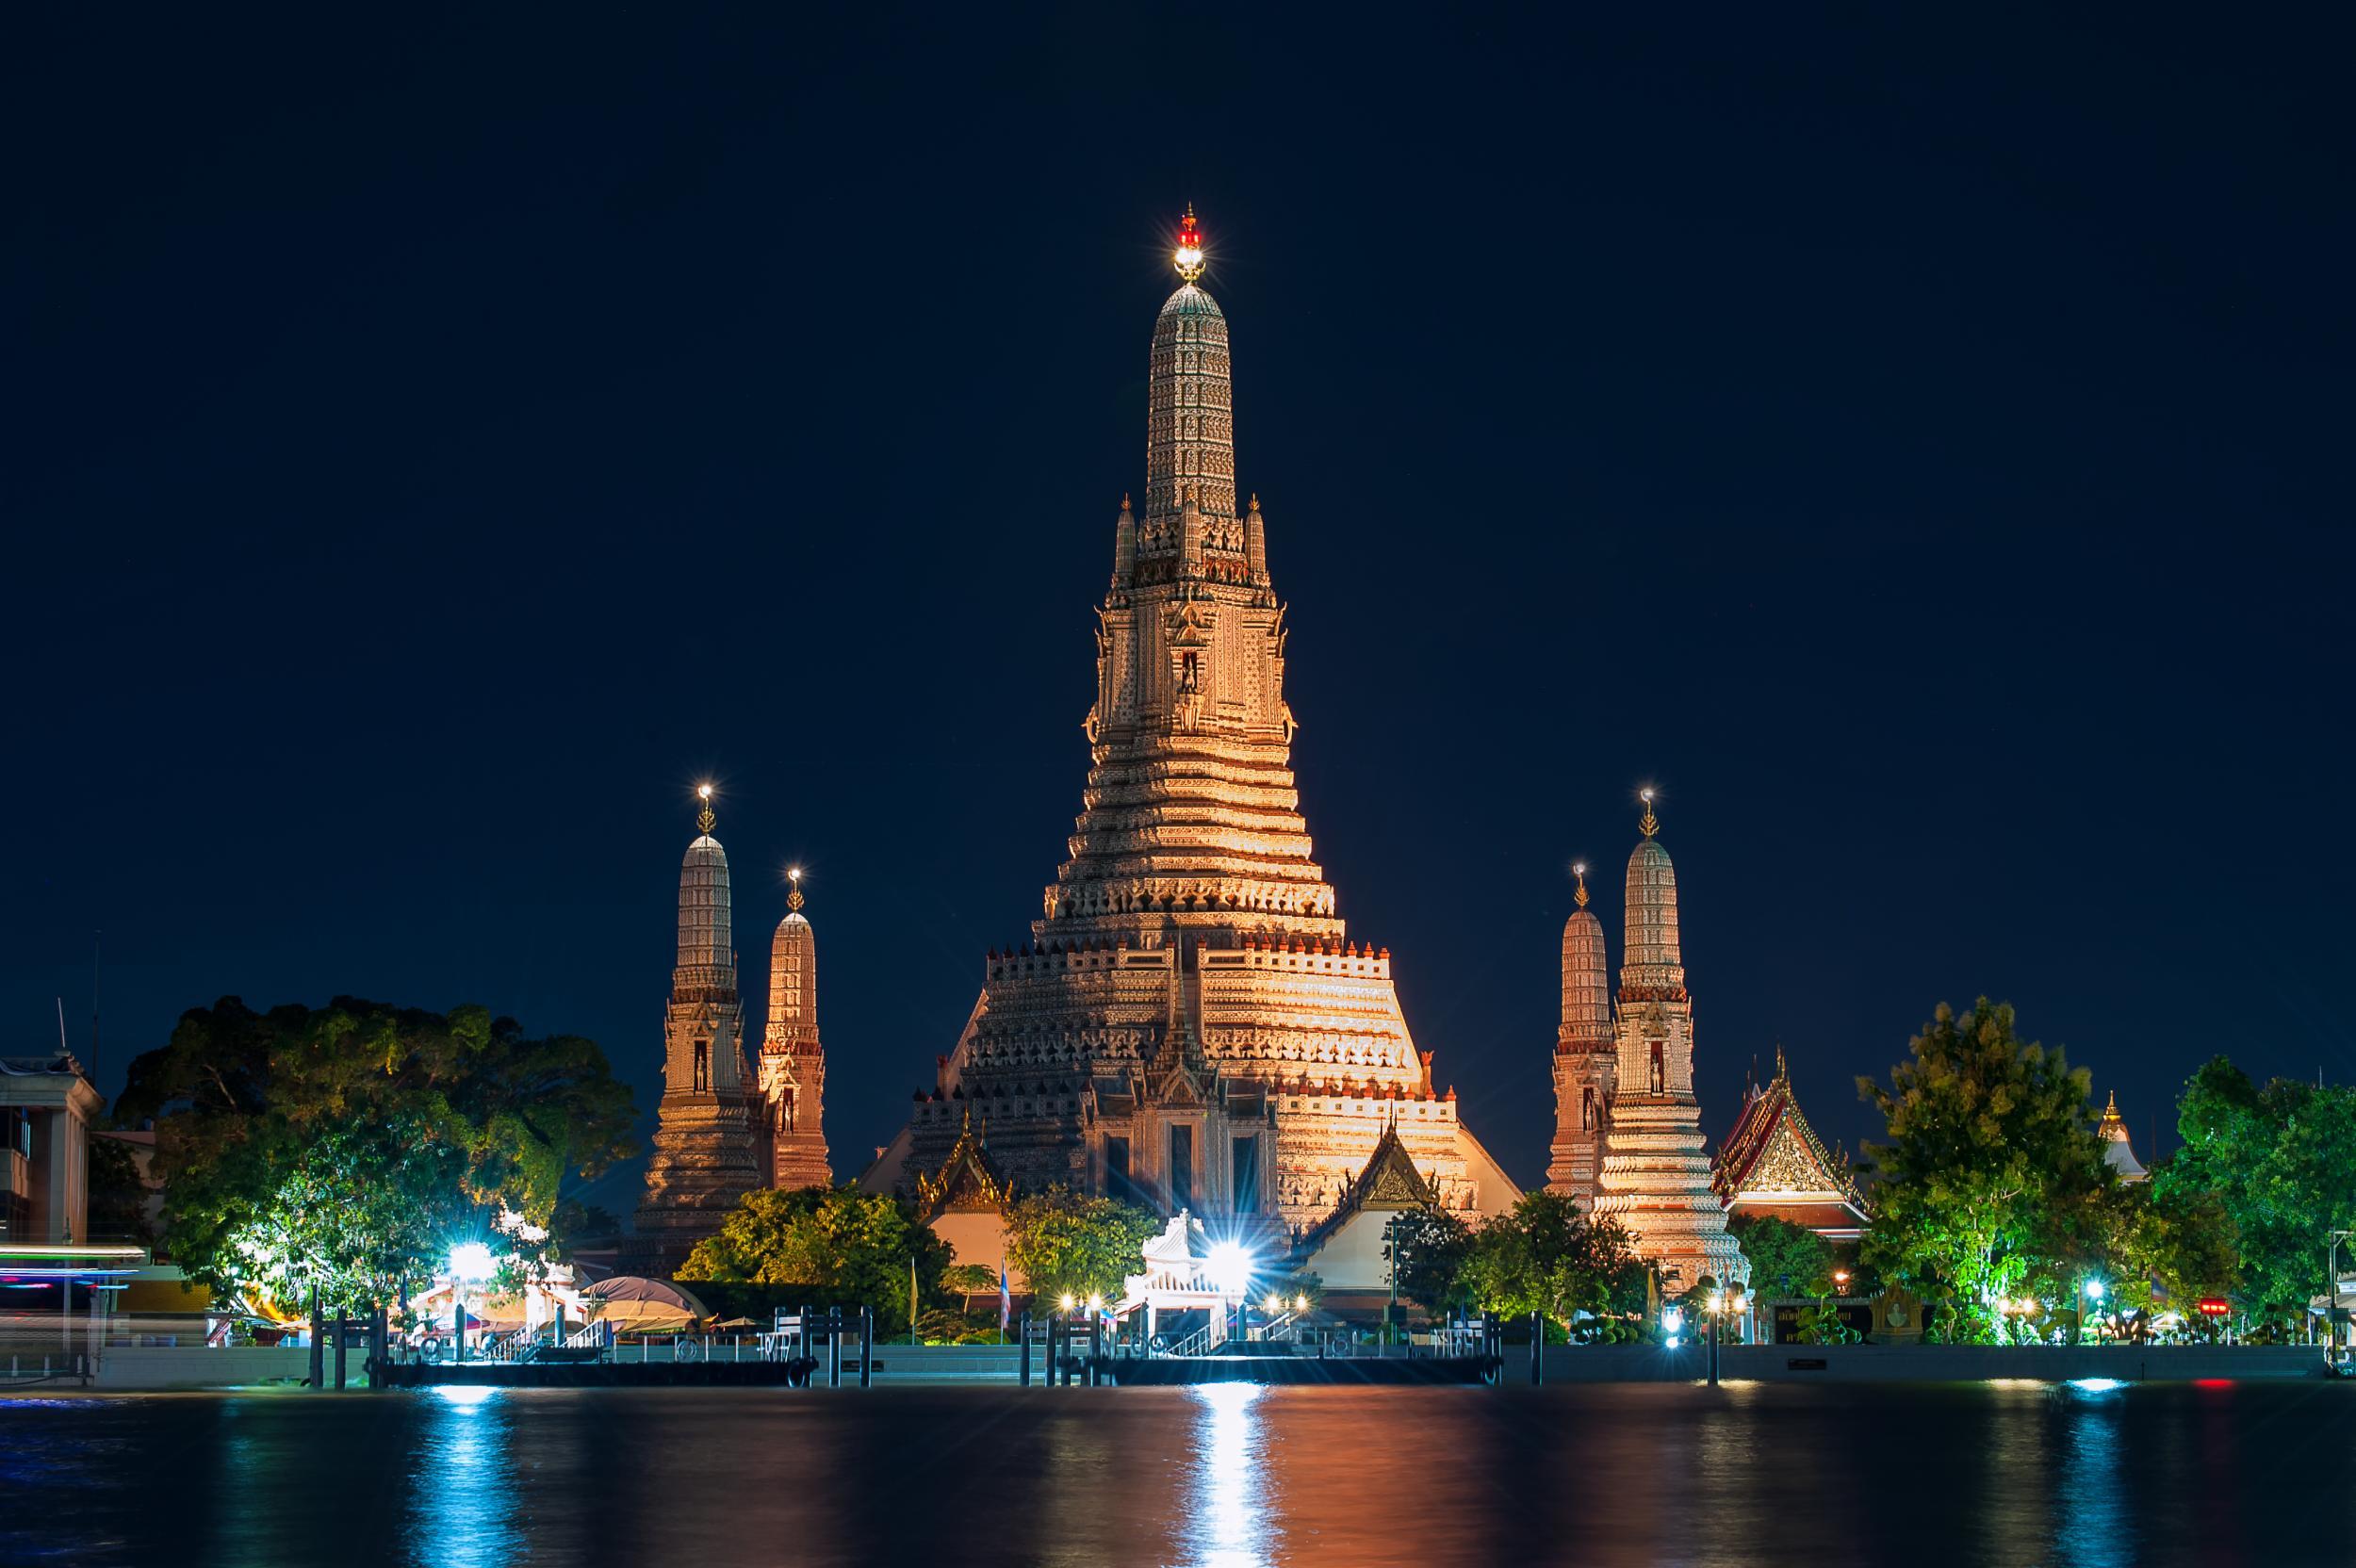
630, 1301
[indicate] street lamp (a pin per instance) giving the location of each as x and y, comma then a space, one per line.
469, 1263
2090, 1290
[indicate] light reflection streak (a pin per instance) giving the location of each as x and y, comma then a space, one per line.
1230, 1526
2095, 1526
461, 1482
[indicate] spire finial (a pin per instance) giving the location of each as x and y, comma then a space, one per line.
794, 899
1188, 257
704, 818
1578, 869
1782, 1072
1651, 825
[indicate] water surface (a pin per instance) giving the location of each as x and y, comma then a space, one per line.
2003, 1473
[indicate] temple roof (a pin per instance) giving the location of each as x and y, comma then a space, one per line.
1772, 1153
1390, 1181
2117, 1153
967, 1181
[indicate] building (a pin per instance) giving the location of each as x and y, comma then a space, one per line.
1586, 1057
1654, 1179
2116, 1152
1771, 1161
1189, 1025
46, 1105
792, 1064
704, 1151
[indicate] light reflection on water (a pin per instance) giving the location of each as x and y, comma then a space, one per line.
464, 1492
1221, 1476
1231, 1525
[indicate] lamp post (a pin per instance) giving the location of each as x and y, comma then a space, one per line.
469, 1263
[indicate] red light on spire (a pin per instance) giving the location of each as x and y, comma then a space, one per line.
1188, 257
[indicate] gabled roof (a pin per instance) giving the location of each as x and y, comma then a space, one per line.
1390, 1181
1771, 1152
967, 1181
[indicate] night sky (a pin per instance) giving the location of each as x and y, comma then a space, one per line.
1917, 445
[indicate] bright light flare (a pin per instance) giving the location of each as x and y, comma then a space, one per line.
2094, 1290
470, 1263
1230, 1267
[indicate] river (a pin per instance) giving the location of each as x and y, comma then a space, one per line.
2214, 1473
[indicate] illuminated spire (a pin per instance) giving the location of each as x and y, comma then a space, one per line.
1579, 871
704, 818
1187, 258
794, 899
1651, 825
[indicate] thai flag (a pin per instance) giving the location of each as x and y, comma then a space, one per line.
1005, 1301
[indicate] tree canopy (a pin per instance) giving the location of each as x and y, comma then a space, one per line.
1787, 1260
353, 1144
1548, 1257
1068, 1243
1991, 1177
2276, 1164
827, 1247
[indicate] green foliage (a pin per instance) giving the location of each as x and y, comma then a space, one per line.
1992, 1178
118, 1195
970, 1279
827, 1247
1821, 1324
1066, 1243
355, 1144
1787, 1260
1429, 1253
2275, 1163
1548, 1257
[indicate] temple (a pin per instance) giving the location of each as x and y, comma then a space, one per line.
704, 1158
1188, 1024
2117, 1153
1772, 1163
792, 1064
1655, 1180
1586, 1059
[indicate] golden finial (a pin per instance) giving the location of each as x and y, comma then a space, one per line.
1781, 1071
1187, 258
1651, 825
1578, 869
794, 899
704, 818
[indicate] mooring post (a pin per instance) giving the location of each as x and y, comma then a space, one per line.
1537, 1348
1024, 1338
834, 1347
1096, 1344
343, 1333
867, 1346
318, 1345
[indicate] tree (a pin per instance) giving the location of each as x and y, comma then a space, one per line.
1547, 1257
827, 1247
1428, 1251
2275, 1163
351, 1146
1992, 1174
1065, 1243
1787, 1260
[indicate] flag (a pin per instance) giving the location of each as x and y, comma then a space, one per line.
1005, 1301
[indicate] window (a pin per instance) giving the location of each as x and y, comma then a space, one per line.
1182, 1166
1115, 1168
1247, 1175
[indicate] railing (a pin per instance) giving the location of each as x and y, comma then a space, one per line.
1195, 1344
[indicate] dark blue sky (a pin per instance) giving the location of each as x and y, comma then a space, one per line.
1917, 443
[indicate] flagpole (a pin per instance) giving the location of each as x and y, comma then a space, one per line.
911, 1301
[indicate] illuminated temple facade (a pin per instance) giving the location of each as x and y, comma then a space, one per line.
1189, 1025
721, 1130
1654, 1177
1772, 1163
